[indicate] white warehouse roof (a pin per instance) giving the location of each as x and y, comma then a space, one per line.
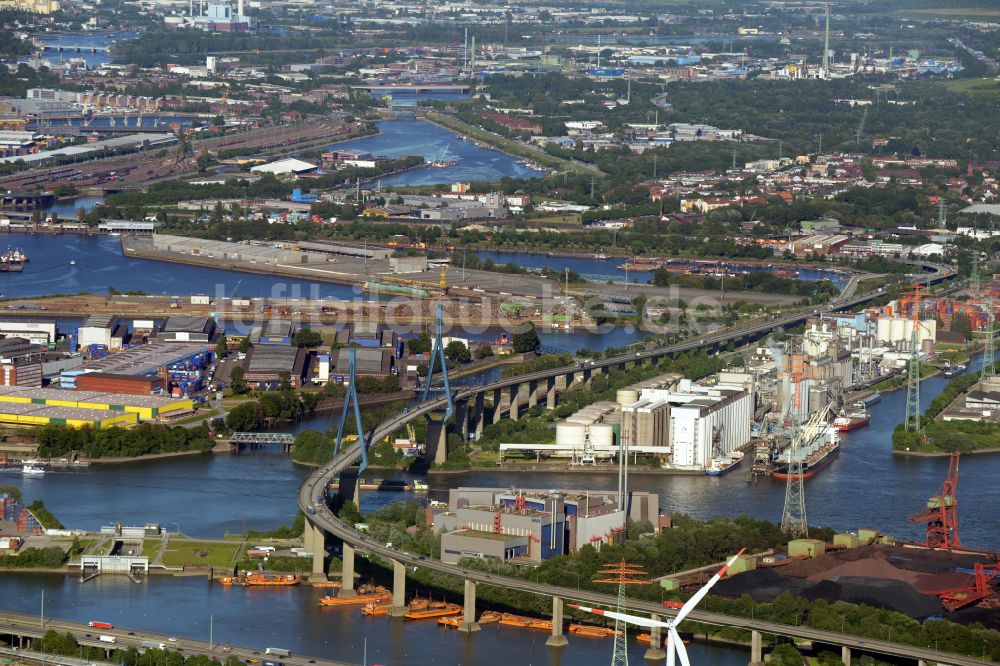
290, 165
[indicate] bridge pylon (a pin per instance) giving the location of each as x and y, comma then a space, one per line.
351, 399
438, 357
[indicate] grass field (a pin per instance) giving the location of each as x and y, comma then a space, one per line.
208, 553
974, 86
948, 13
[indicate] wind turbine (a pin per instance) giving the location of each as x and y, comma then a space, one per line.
675, 646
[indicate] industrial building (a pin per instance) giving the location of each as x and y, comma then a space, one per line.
530, 526
124, 384
144, 407
274, 332
147, 360
28, 414
266, 363
187, 329
249, 254
682, 423
39, 331
102, 330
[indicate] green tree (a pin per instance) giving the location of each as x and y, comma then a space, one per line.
284, 381
246, 416
526, 338
221, 349
236, 379
456, 352
306, 337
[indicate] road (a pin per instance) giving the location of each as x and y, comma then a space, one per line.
313, 488
29, 625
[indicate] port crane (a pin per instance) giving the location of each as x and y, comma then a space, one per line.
941, 514
441, 284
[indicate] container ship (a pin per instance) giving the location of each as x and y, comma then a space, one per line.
722, 464
851, 420
815, 457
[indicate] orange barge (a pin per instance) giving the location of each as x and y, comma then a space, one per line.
512, 620
489, 617
366, 594
261, 580
427, 610
592, 631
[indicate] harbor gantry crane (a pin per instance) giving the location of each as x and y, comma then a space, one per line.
941, 514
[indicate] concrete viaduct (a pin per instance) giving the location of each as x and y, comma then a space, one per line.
509, 396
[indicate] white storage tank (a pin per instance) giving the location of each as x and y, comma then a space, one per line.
571, 435
602, 435
581, 420
882, 330
900, 329
627, 396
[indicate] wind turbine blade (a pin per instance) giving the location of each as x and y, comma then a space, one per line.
631, 619
679, 645
700, 594
671, 650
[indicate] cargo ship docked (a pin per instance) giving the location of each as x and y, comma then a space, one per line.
720, 465
856, 418
815, 457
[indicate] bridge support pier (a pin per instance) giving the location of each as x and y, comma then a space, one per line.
347, 574
655, 653
557, 638
532, 394
398, 608
469, 624
462, 419
316, 541
756, 649
845, 655
550, 393
441, 451
497, 407
479, 415
515, 399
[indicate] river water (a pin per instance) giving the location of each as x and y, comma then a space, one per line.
411, 136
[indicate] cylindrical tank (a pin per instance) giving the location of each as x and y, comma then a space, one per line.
581, 420
571, 435
602, 435
927, 346
627, 396
899, 329
882, 330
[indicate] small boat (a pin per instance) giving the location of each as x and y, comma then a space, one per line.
367, 594
72, 262
721, 465
600, 256
29, 469
955, 370
442, 162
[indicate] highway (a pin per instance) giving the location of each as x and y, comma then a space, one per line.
313, 488
20, 624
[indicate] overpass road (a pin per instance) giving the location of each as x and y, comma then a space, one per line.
29, 626
312, 492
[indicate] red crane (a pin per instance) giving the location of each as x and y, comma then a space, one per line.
980, 589
941, 514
